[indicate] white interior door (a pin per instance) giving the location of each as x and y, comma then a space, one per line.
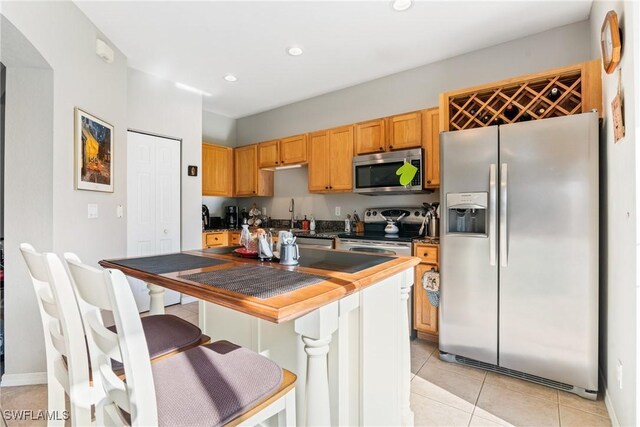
153, 197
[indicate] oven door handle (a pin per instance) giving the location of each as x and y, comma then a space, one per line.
372, 251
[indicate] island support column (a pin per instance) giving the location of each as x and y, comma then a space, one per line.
405, 348
156, 299
316, 329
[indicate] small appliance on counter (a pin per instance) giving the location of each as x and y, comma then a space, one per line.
231, 216
215, 223
205, 218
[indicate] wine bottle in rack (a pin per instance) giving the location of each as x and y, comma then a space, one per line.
553, 94
511, 111
540, 111
485, 118
473, 110
525, 117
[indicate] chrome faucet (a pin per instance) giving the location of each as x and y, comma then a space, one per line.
292, 207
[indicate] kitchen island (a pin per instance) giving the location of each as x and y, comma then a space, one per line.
339, 321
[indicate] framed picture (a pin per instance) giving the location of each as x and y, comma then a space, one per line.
94, 153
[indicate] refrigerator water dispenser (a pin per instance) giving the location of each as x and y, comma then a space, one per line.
467, 214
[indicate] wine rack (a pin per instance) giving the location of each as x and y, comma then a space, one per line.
559, 92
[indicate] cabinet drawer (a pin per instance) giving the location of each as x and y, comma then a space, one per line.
427, 253
234, 239
215, 239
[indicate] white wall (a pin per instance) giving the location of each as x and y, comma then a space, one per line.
406, 91
66, 40
219, 130
157, 106
618, 333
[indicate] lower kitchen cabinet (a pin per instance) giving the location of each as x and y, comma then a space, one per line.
215, 238
425, 315
234, 238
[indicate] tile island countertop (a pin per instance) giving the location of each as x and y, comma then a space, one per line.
340, 280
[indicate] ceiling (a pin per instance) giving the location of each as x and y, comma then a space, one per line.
345, 42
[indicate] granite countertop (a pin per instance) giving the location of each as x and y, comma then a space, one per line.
427, 240
297, 233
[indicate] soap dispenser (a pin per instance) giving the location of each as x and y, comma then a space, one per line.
312, 224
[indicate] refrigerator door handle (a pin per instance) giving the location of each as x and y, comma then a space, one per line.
492, 214
503, 216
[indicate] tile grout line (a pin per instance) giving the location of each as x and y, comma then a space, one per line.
475, 405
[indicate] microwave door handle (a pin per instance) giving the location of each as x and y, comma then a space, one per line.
492, 214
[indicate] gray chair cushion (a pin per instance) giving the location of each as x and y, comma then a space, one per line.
212, 384
165, 333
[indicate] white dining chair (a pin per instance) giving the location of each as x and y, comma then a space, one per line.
65, 345
214, 384
166, 334
68, 367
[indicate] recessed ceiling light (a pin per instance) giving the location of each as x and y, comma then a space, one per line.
294, 51
231, 78
192, 89
401, 5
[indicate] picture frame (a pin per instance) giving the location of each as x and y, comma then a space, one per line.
93, 153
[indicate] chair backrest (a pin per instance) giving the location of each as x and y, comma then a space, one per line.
109, 290
63, 331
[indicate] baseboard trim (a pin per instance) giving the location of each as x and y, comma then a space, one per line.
32, 378
608, 403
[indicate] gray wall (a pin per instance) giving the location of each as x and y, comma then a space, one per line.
66, 40
219, 130
158, 106
406, 91
419, 88
619, 222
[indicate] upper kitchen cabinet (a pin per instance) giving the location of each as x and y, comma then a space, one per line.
371, 137
268, 154
431, 147
287, 151
293, 150
405, 131
217, 170
330, 160
249, 179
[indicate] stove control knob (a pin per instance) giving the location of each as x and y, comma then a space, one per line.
424, 214
375, 213
368, 213
417, 213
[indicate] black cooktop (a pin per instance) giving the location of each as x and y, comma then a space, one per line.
327, 259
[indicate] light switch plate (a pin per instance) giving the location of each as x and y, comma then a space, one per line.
92, 211
119, 211
337, 210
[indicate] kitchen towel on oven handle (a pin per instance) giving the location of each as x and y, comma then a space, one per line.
431, 284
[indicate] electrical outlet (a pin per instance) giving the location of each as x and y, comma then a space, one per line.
264, 211
92, 211
619, 374
337, 210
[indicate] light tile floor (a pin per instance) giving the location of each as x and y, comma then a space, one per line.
442, 394
446, 394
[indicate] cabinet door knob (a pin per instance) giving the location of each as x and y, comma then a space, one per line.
326, 187
330, 187
391, 146
381, 148
276, 162
425, 254
429, 182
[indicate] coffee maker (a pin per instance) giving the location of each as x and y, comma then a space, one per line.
205, 218
231, 216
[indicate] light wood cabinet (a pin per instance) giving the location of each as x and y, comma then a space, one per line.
293, 150
234, 238
217, 170
371, 137
405, 131
431, 147
330, 160
216, 238
425, 315
268, 154
249, 179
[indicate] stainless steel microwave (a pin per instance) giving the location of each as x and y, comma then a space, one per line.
376, 173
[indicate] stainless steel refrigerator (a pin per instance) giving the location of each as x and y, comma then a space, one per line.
519, 245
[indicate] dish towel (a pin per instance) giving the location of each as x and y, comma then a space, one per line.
431, 284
